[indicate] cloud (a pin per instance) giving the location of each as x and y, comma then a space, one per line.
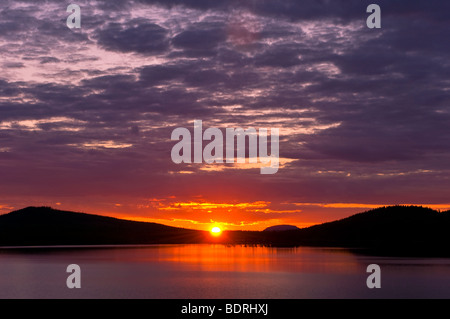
200, 39
137, 36
279, 56
361, 112
49, 59
156, 74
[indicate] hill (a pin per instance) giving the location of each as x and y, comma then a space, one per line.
46, 226
281, 228
408, 230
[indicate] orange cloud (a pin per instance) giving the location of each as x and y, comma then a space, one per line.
209, 206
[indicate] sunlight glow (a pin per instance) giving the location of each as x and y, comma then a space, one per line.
215, 231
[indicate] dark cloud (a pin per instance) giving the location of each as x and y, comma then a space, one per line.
49, 59
201, 39
205, 78
341, 11
196, 4
156, 74
8, 89
16, 21
13, 65
137, 36
243, 79
279, 56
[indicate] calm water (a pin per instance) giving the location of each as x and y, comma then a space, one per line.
216, 271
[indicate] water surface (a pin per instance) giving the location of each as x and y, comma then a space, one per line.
216, 271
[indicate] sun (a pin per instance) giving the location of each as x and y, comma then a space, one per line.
215, 231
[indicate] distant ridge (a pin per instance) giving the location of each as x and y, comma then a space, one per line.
281, 228
393, 230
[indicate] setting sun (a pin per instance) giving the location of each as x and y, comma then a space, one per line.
215, 231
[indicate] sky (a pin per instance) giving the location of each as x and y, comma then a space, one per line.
86, 115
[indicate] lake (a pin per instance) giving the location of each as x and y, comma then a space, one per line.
216, 271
